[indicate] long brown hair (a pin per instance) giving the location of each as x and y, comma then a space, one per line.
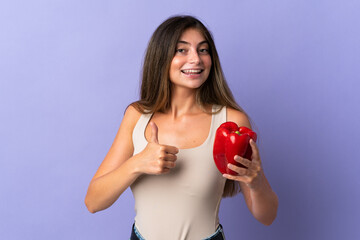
155, 92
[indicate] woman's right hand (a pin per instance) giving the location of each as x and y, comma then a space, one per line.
156, 158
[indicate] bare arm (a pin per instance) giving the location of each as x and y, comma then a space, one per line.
261, 200
117, 171
120, 168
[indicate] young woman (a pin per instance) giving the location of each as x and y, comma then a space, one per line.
163, 149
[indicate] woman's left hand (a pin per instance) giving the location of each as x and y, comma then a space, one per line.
251, 175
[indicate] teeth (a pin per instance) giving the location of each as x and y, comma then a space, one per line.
192, 71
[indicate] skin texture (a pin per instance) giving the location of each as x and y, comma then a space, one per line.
184, 125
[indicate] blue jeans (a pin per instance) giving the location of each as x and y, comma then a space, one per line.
218, 235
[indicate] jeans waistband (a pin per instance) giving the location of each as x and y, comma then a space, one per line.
218, 235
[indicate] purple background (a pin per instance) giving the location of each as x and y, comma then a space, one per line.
68, 69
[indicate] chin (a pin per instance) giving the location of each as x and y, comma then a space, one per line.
195, 83
195, 86
191, 84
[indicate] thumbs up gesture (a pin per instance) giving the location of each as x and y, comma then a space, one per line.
156, 158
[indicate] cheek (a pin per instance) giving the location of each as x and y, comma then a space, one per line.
174, 68
175, 63
208, 65
207, 62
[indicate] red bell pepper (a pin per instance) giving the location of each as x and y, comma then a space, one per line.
231, 140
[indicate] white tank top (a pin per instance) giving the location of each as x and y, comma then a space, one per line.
184, 203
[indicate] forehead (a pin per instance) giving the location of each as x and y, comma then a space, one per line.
192, 35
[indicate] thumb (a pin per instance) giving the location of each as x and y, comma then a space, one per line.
154, 133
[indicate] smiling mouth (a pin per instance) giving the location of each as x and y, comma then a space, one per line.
192, 71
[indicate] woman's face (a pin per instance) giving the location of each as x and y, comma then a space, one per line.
191, 64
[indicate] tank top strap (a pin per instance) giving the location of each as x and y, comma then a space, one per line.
138, 135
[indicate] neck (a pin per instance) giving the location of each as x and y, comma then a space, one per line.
183, 102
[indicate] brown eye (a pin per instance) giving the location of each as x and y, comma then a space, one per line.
204, 51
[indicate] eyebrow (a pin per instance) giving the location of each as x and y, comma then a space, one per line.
184, 42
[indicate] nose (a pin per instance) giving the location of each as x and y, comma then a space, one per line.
194, 57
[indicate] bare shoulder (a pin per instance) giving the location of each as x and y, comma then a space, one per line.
131, 116
237, 117
122, 146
